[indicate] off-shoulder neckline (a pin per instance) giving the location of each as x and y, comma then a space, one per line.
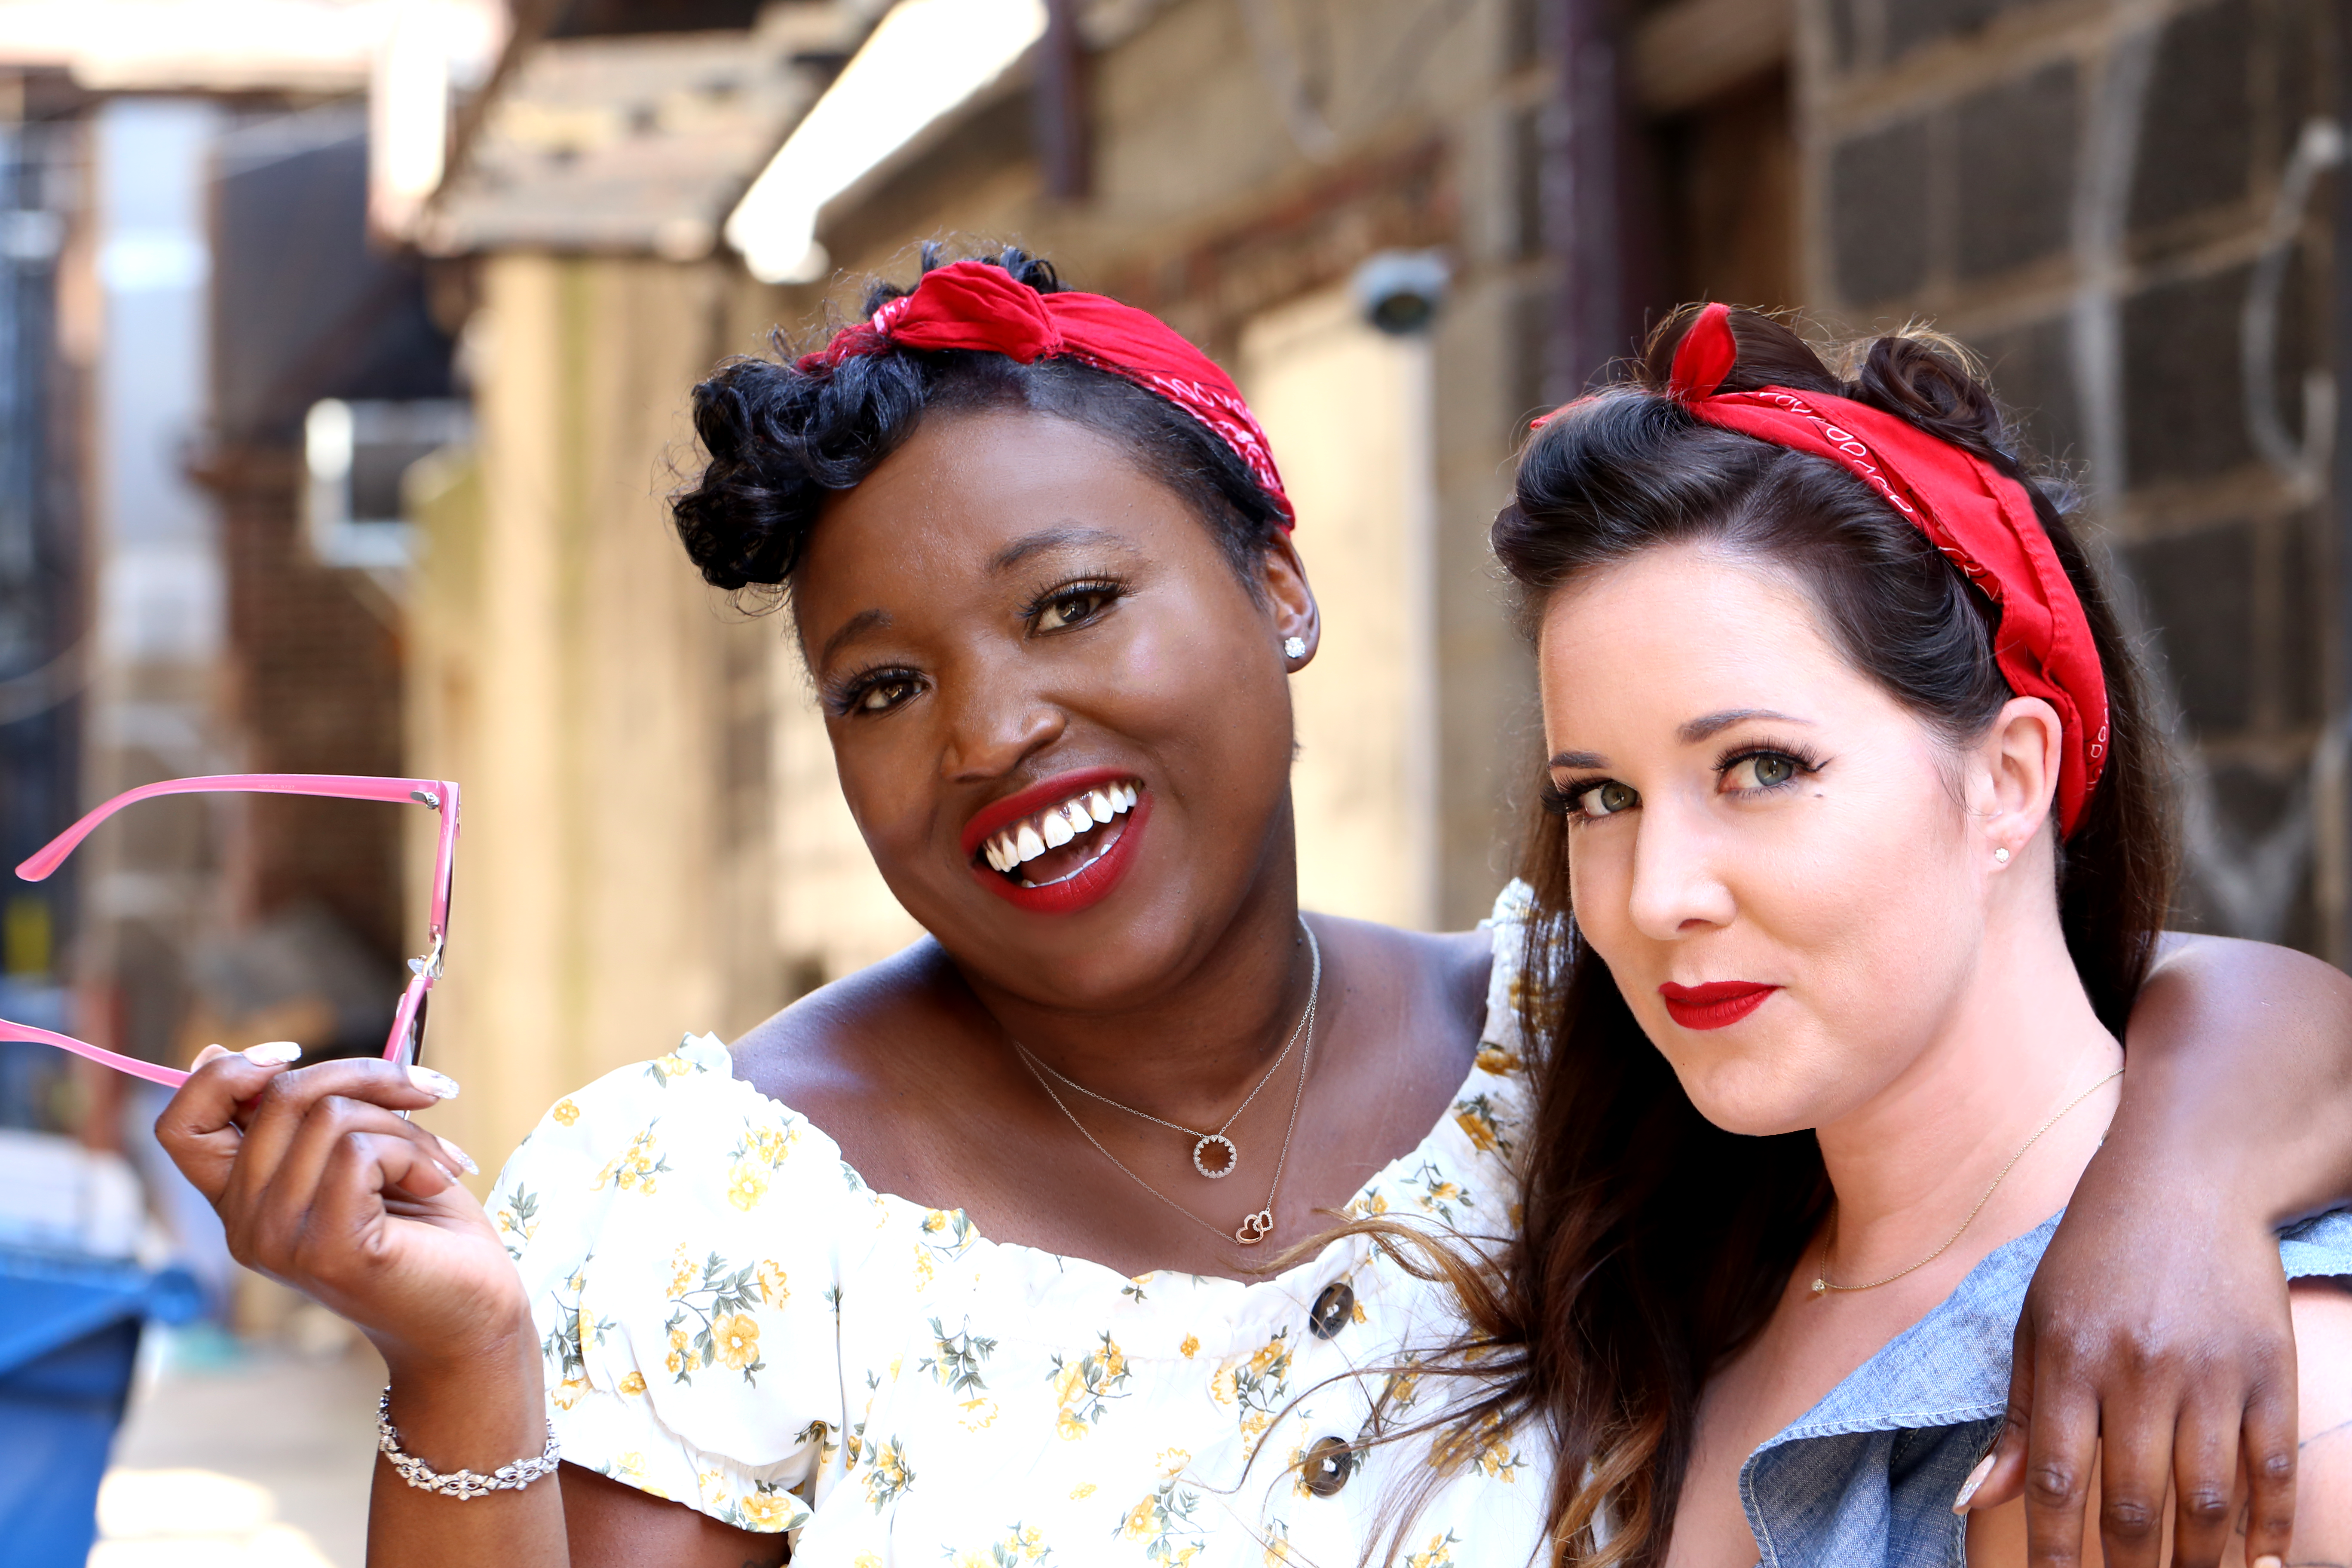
1461, 1154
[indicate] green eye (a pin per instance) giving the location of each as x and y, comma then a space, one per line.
1761, 771
1606, 799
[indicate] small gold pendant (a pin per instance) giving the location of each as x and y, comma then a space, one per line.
1255, 1229
1821, 1287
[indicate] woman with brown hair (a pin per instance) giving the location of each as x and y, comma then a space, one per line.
962, 1258
1858, 852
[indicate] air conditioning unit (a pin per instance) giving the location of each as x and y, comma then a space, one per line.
357, 453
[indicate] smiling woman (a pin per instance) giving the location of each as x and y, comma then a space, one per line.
1877, 865
1014, 1247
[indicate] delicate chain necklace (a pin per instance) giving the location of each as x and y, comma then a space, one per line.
1201, 1142
1259, 1225
1822, 1284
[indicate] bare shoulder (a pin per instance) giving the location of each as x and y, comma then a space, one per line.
1432, 983
844, 1047
2323, 1345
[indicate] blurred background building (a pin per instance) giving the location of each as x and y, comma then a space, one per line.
345, 346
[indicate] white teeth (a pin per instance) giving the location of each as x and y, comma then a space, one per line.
1051, 829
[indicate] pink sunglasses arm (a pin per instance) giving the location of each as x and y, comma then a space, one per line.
338, 785
169, 1077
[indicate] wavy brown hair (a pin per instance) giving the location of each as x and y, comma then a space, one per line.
1654, 1244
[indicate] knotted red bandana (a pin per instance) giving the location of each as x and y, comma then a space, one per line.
1979, 518
972, 305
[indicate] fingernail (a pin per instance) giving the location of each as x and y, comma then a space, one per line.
2267, 1561
440, 1085
272, 1053
1976, 1479
460, 1156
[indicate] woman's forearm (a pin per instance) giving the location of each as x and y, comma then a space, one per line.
2240, 1067
488, 1411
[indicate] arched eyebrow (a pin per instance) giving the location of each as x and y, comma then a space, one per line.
853, 629
1709, 725
1690, 733
1045, 539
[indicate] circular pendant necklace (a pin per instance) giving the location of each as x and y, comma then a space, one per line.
1214, 1154
1255, 1228
1824, 1284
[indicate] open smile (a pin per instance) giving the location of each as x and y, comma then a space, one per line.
1716, 1006
1060, 845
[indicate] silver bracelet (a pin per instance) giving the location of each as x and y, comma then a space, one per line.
462, 1485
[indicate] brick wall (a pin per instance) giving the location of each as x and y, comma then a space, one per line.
2085, 193
314, 688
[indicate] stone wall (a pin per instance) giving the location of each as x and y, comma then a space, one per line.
2100, 199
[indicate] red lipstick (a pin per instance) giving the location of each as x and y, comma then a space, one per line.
1717, 1004
1091, 883
999, 813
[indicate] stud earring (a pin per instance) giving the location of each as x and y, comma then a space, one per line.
1294, 647
2000, 856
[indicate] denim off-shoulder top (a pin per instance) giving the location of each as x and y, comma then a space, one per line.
1869, 1475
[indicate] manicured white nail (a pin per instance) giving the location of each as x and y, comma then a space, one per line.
1968, 1488
272, 1053
440, 1085
2267, 1561
460, 1155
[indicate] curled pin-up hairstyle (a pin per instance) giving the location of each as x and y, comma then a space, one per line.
780, 439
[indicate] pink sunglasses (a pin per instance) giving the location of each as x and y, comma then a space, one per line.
407, 1038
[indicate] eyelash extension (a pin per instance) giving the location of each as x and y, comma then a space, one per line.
842, 699
1555, 800
1809, 762
1111, 590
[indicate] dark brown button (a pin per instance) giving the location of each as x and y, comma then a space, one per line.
1332, 1311
1327, 1465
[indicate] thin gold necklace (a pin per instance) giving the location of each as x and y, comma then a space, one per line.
1824, 1284
1201, 1142
1259, 1225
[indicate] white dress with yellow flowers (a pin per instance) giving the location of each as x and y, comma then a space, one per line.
734, 1320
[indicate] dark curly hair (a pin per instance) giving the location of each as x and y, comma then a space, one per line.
780, 439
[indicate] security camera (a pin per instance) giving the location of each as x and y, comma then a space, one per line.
1400, 291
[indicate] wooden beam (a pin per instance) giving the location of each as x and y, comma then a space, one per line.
1685, 53
1061, 127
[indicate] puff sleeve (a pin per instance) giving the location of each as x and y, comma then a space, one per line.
681, 1237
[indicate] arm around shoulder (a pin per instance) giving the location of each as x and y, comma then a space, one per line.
2242, 1053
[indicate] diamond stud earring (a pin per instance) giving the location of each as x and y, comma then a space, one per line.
2000, 856
1294, 647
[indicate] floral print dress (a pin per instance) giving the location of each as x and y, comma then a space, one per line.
734, 1320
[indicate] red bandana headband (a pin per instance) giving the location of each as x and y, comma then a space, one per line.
972, 305
1979, 518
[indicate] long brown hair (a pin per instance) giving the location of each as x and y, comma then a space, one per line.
1654, 1245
